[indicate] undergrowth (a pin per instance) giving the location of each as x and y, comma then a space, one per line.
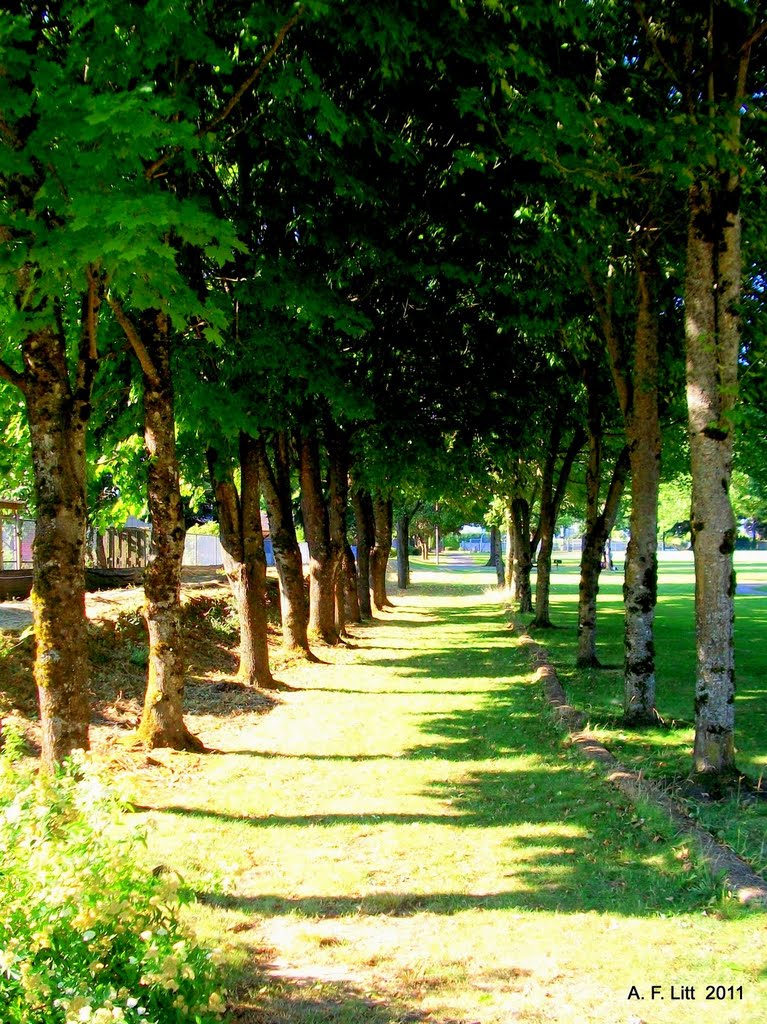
86, 936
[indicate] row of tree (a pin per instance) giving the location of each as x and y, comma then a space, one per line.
387, 253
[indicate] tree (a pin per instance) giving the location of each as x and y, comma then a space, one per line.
242, 540
716, 96
69, 123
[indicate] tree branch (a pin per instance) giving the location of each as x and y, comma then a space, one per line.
255, 74
12, 376
603, 304
577, 442
653, 41
88, 356
755, 36
134, 340
228, 107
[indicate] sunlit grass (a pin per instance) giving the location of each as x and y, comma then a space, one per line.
665, 753
405, 837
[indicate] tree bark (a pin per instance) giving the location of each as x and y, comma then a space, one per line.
274, 475
712, 332
403, 554
494, 548
57, 417
640, 589
510, 552
162, 722
338, 496
323, 567
242, 541
551, 500
599, 525
523, 560
499, 567
351, 587
362, 504
712, 335
636, 383
379, 556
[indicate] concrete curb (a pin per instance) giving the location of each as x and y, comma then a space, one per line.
739, 878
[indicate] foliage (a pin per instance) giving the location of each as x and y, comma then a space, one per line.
674, 509
85, 935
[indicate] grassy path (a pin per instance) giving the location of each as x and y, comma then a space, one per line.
405, 838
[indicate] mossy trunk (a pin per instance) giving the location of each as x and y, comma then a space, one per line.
57, 417
162, 721
640, 589
274, 470
379, 556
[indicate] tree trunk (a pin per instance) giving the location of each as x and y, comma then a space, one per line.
599, 525
403, 554
351, 587
712, 286
362, 505
379, 556
338, 495
162, 722
274, 475
323, 567
551, 500
640, 589
57, 423
510, 552
242, 541
523, 560
499, 568
494, 548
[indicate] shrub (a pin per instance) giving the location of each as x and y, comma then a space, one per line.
86, 936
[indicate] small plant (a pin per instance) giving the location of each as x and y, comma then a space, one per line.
85, 936
138, 654
218, 615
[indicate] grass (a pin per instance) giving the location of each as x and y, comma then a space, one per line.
405, 838
665, 753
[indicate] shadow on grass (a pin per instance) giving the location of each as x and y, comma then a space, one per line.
570, 844
261, 996
556, 837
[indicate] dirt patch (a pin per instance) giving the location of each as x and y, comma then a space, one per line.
118, 654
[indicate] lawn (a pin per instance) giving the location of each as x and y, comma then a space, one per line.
665, 753
405, 837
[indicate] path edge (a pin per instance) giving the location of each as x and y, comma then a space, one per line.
739, 878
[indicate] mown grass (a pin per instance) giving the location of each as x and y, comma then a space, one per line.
404, 838
664, 753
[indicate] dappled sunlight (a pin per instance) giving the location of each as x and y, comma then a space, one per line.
407, 823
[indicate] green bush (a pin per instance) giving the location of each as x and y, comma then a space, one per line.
86, 936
